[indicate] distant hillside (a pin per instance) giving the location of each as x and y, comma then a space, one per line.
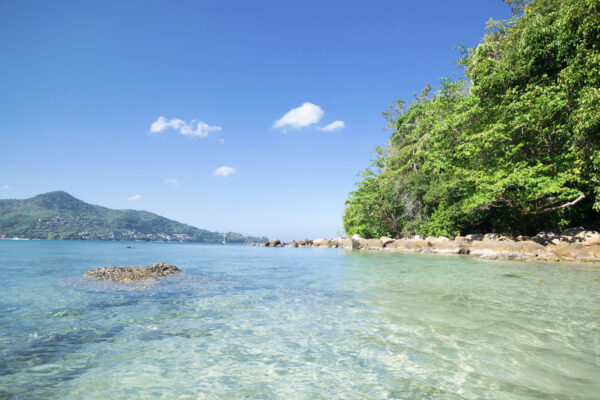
58, 215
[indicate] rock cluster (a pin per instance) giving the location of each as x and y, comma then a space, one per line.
128, 274
575, 244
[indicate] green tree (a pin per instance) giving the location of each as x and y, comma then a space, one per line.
514, 148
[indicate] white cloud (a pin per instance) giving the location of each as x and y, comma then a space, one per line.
5, 187
334, 126
193, 128
135, 197
222, 141
224, 171
172, 182
300, 117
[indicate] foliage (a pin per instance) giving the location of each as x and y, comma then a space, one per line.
513, 148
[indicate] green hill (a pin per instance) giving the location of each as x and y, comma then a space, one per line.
58, 215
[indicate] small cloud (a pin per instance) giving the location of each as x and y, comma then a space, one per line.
334, 126
224, 171
172, 182
300, 117
222, 141
5, 187
193, 128
135, 197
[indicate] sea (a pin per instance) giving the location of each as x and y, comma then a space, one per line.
245, 322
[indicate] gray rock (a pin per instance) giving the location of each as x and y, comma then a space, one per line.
274, 242
129, 274
474, 237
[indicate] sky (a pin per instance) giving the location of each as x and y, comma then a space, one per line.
244, 116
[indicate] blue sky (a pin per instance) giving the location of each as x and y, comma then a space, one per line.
84, 84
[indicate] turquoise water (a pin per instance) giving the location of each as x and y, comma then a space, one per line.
250, 322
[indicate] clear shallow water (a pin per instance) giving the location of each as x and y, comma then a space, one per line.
248, 322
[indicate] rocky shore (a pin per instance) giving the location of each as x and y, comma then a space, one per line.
129, 274
575, 244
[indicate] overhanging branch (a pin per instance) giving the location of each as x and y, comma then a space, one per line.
569, 204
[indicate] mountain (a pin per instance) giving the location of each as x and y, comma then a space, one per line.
58, 215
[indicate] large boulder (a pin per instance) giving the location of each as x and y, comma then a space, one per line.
336, 242
351, 244
321, 243
305, 243
292, 243
509, 250
406, 246
449, 247
129, 274
274, 242
434, 239
371, 244
577, 251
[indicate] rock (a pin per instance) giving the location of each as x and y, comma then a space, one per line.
405, 246
583, 246
373, 244
305, 243
128, 274
592, 240
462, 240
321, 243
577, 251
424, 243
351, 244
449, 247
573, 231
433, 239
507, 250
474, 237
594, 250
385, 240
336, 242
546, 255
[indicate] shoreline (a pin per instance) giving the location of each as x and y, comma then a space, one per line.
575, 244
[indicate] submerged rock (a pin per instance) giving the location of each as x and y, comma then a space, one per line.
128, 274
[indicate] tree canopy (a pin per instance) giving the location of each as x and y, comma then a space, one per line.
513, 147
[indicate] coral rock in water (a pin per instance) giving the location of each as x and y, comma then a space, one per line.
128, 274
